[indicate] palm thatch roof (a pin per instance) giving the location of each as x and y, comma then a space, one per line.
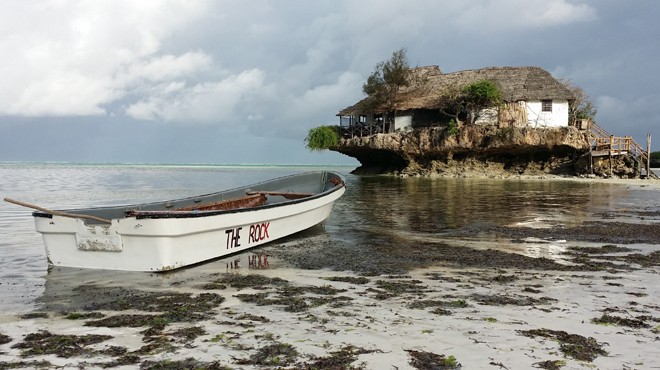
431, 87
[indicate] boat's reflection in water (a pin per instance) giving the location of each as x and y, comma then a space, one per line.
68, 289
255, 261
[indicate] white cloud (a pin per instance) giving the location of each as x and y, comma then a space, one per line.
167, 67
480, 16
69, 58
208, 102
610, 104
553, 13
493, 16
324, 98
80, 57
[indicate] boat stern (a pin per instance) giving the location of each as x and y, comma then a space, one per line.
70, 241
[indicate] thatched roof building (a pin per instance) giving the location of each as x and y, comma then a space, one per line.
432, 87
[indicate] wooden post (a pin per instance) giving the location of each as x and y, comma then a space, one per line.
648, 156
591, 152
591, 158
610, 153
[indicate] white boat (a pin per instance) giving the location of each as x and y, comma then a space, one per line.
167, 235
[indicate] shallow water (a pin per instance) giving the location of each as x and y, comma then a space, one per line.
378, 211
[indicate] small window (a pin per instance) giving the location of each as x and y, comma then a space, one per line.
546, 105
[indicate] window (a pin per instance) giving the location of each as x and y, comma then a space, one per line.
546, 105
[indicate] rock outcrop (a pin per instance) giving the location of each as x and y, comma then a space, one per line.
473, 151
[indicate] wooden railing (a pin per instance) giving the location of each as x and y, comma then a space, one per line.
608, 144
596, 132
362, 130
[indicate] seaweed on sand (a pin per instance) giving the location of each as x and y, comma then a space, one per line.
605, 249
83, 316
431, 361
341, 359
173, 307
46, 343
551, 364
504, 300
389, 289
456, 303
125, 299
34, 315
650, 260
349, 279
504, 279
572, 345
188, 363
238, 281
606, 319
4, 339
274, 354
189, 334
294, 299
26, 365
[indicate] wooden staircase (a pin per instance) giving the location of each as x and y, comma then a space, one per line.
603, 144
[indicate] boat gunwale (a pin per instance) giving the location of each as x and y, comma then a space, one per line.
196, 213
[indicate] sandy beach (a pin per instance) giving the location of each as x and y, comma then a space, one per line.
650, 183
597, 309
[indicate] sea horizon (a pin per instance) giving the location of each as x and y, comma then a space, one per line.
193, 164
170, 164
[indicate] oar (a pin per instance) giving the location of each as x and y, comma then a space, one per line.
57, 213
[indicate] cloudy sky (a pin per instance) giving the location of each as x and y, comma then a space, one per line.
186, 81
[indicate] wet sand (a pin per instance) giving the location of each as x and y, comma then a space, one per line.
596, 307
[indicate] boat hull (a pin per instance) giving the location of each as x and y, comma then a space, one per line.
159, 243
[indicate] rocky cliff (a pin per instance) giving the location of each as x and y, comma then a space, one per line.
473, 151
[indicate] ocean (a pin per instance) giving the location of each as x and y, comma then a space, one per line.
378, 215
511, 273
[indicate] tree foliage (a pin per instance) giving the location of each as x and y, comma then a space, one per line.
581, 107
383, 85
469, 100
322, 137
655, 155
480, 95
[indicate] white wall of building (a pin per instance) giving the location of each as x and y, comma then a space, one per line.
557, 118
402, 122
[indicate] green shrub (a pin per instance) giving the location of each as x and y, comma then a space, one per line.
655, 155
322, 137
452, 128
